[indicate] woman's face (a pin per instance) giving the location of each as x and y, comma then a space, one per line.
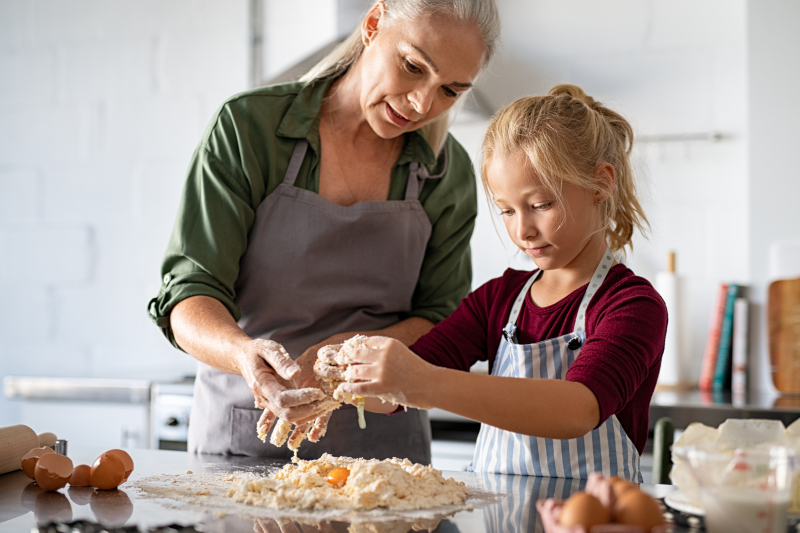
411, 73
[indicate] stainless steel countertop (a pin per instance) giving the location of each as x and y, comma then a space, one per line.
23, 503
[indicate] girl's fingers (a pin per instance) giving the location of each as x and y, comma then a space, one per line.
365, 354
329, 372
362, 389
362, 372
328, 353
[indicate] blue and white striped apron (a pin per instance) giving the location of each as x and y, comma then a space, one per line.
606, 449
517, 513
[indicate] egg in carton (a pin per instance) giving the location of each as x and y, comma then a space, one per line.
608, 505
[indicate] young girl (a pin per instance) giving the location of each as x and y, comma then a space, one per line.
574, 348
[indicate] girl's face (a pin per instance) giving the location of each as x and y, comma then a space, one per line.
411, 73
554, 235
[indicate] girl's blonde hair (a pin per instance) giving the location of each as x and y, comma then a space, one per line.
481, 12
565, 136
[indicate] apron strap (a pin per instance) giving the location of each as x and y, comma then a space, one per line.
597, 279
418, 173
294, 163
510, 331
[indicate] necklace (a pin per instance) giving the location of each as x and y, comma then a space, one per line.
375, 183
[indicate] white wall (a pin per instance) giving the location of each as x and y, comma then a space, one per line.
294, 30
774, 174
101, 106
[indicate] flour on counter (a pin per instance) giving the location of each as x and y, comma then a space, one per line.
394, 484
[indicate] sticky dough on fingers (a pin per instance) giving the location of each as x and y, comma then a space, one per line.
320, 427
280, 433
265, 423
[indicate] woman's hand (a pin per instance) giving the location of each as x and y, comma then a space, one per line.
385, 368
297, 404
270, 372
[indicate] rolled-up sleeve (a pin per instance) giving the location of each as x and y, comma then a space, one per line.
209, 236
446, 273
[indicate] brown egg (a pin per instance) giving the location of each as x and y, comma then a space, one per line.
29, 459
123, 456
52, 471
583, 509
620, 485
638, 508
107, 472
80, 476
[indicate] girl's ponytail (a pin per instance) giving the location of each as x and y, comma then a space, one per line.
566, 135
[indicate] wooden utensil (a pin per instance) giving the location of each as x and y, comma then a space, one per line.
16, 441
783, 321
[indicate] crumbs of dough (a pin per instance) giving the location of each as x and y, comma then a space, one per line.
396, 484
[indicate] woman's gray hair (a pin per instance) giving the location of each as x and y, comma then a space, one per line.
481, 12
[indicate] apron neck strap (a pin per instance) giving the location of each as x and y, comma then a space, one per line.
418, 173
517, 307
294, 163
597, 279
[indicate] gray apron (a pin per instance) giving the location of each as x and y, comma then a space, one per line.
313, 269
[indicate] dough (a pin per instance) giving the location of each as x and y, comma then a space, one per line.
395, 484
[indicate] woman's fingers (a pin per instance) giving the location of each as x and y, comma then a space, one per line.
307, 412
320, 427
276, 357
265, 424
294, 397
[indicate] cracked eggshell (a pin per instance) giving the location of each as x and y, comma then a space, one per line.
53, 471
107, 472
30, 459
127, 462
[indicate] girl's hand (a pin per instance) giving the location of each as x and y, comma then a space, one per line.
385, 368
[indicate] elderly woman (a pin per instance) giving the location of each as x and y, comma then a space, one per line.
316, 210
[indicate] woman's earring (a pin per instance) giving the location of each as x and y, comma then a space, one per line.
599, 201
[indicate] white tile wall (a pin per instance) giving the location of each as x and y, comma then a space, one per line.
101, 106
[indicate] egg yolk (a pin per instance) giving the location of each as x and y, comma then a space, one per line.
338, 477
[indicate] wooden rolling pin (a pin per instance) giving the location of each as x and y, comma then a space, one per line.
16, 441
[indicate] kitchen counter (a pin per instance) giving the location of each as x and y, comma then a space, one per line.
712, 409
23, 504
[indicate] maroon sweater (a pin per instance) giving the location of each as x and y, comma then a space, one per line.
626, 322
